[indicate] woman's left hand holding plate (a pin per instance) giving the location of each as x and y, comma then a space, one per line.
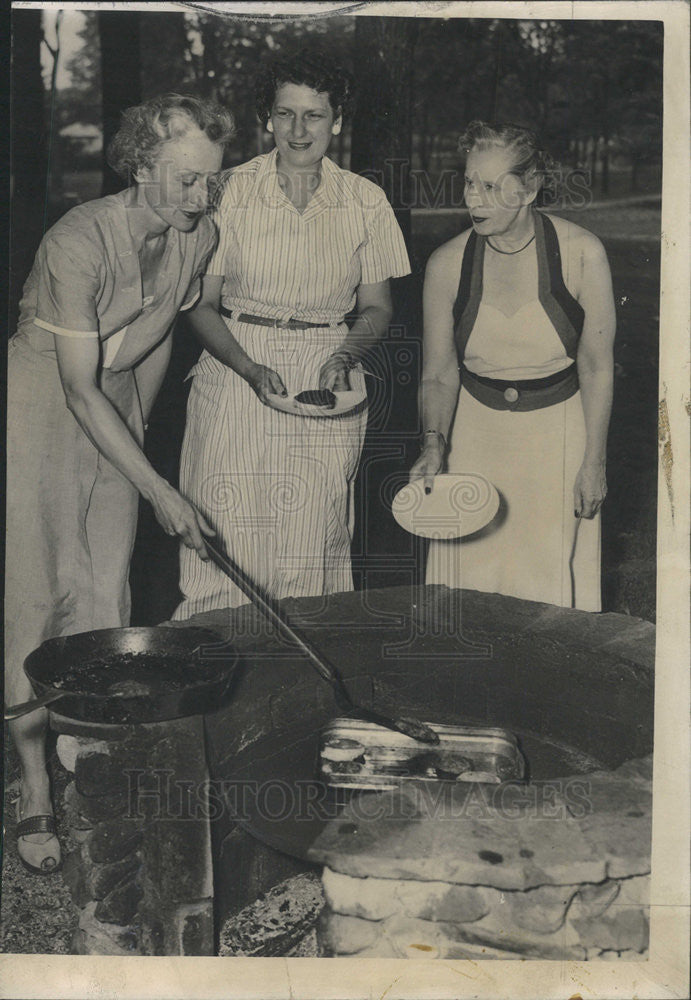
333, 374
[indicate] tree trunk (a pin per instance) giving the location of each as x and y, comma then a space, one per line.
121, 75
592, 158
424, 147
604, 165
246, 124
165, 35
496, 85
635, 170
382, 126
29, 150
210, 61
54, 186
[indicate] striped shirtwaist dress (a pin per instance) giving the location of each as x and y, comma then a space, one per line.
278, 488
71, 516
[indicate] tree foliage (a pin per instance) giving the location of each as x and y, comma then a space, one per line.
578, 83
225, 52
592, 89
382, 137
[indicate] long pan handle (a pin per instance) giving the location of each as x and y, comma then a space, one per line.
17, 711
409, 727
268, 609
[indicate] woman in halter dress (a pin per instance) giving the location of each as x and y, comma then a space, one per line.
518, 370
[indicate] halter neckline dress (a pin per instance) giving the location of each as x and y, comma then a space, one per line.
535, 548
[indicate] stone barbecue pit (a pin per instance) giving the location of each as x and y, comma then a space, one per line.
262, 859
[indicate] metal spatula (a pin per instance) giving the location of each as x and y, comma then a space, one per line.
409, 727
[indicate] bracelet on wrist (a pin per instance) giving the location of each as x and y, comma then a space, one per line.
350, 360
438, 434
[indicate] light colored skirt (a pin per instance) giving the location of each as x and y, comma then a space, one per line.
277, 488
71, 516
535, 548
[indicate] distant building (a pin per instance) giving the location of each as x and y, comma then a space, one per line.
81, 139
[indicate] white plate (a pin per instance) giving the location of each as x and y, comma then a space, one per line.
458, 505
345, 402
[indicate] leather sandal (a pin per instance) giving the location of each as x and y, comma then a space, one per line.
51, 862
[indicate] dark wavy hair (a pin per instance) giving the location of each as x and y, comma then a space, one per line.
144, 129
309, 67
530, 162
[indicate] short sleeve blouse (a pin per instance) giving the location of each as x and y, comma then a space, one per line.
86, 280
280, 263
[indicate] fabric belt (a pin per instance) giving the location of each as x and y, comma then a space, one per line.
522, 394
281, 324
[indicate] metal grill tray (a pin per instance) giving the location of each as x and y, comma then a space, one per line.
388, 759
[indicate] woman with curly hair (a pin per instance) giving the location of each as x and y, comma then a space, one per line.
522, 304
301, 243
85, 365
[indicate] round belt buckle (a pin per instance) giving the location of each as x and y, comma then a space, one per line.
511, 394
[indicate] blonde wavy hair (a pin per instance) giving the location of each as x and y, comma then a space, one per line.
144, 129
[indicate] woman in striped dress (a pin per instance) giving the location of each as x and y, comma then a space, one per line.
301, 242
523, 302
